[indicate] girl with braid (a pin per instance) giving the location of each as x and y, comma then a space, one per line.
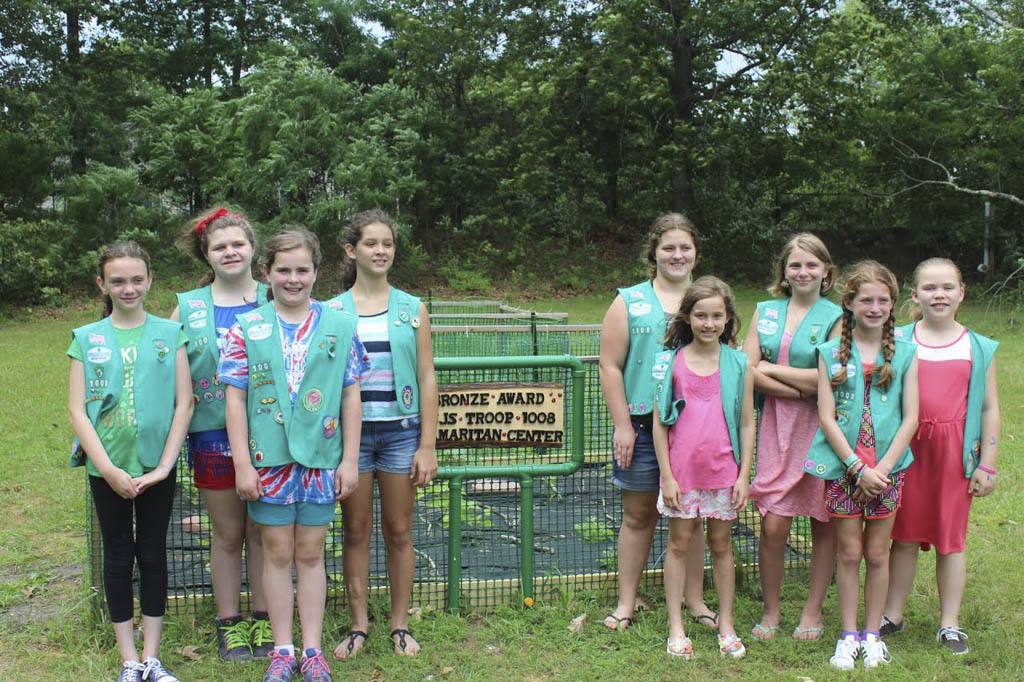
868, 409
955, 448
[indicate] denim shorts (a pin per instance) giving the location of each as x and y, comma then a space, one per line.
643, 474
389, 446
295, 513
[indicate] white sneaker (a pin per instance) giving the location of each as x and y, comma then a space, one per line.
154, 671
847, 650
875, 652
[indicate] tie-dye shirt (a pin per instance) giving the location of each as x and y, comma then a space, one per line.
290, 483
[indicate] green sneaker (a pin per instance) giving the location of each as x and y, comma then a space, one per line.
261, 638
233, 639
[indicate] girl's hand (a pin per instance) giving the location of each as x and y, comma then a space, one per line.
346, 480
121, 483
424, 467
247, 483
871, 484
740, 493
622, 445
765, 367
152, 478
670, 494
981, 483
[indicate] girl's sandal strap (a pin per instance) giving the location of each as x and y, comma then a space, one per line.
401, 634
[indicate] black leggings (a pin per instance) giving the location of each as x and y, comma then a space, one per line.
120, 550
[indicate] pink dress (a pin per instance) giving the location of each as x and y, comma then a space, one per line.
784, 436
936, 503
699, 449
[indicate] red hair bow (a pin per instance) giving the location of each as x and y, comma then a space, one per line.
219, 213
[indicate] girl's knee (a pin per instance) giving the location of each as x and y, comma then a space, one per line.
720, 546
357, 531
398, 537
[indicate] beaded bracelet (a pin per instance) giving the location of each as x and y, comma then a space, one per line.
988, 470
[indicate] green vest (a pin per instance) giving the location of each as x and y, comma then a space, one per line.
886, 409
403, 321
812, 330
646, 324
195, 311
309, 433
732, 368
154, 381
982, 351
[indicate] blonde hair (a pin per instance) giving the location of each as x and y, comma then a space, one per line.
860, 273
667, 223
680, 331
812, 244
915, 309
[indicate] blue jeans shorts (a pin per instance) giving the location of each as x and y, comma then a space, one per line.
643, 474
295, 513
389, 446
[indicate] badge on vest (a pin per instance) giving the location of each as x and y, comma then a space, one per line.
161, 349
313, 400
639, 308
407, 396
336, 305
771, 313
767, 327
99, 372
330, 427
815, 330
279, 417
332, 345
98, 339
252, 317
258, 332
98, 355
637, 295
199, 305
415, 322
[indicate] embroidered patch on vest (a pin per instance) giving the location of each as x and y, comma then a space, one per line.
767, 327
313, 400
252, 317
98, 355
258, 332
279, 417
219, 395
204, 382
820, 469
407, 396
330, 426
415, 323
98, 339
639, 308
258, 456
336, 305
99, 372
771, 313
639, 295
196, 304
268, 401
208, 397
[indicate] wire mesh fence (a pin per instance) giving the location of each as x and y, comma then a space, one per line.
576, 517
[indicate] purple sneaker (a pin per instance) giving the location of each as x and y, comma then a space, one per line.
315, 667
282, 667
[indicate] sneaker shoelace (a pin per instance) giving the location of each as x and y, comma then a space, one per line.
280, 664
133, 666
260, 633
952, 633
155, 670
236, 635
316, 667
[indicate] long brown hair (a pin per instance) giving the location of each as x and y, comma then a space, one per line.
860, 273
128, 249
354, 232
196, 237
812, 244
680, 331
666, 223
915, 309
286, 241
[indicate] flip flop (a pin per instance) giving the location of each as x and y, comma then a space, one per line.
710, 622
764, 633
802, 632
350, 644
620, 623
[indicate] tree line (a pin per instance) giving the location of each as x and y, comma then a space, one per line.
514, 141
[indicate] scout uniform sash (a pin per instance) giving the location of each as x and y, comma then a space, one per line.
646, 323
403, 321
886, 408
309, 433
732, 371
196, 312
982, 351
154, 381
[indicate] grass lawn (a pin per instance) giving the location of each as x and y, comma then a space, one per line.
50, 633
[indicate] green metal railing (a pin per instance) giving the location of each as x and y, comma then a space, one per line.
526, 473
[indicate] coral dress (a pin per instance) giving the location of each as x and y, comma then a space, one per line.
936, 503
787, 427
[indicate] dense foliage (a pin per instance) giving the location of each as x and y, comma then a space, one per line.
517, 143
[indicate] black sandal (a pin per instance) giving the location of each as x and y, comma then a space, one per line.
351, 644
620, 623
401, 634
708, 621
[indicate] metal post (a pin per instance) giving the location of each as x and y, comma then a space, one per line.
526, 527
454, 543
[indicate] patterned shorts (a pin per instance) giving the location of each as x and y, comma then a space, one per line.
839, 502
702, 504
213, 470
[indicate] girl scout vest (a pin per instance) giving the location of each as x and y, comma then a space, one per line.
812, 330
646, 323
154, 381
982, 351
732, 368
886, 409
403, 321
195, 310
309, 433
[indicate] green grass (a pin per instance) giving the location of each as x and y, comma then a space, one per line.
51, 633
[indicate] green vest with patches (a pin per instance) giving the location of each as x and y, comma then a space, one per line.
309, 433
886, 408
732, 373
403, 321
154, 381
196, 313
982, 351
646, 324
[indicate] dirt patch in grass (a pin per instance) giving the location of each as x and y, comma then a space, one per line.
33, 597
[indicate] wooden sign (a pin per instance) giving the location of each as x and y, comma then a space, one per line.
502, 414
